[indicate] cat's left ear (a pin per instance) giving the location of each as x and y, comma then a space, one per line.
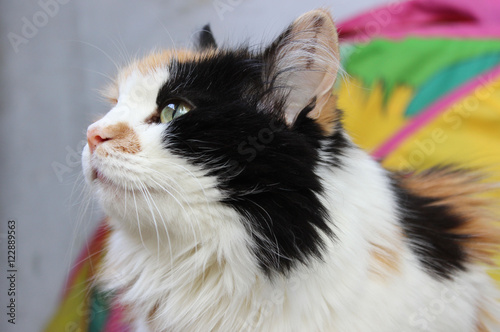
304, 60
206, 39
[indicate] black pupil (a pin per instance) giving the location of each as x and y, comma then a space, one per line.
175, 107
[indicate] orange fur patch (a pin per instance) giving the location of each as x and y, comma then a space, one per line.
465, 194
152, 315
485, 315
161, 59
121, 138
329, 116
386, 258
481, 327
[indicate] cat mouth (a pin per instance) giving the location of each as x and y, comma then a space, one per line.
96, 175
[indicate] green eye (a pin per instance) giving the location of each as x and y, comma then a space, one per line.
174, 109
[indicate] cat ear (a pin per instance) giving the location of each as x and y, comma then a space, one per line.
206, 39
304, 59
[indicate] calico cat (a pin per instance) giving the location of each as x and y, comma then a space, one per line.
237, 202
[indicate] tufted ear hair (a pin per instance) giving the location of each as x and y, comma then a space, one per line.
205, 39
303, 63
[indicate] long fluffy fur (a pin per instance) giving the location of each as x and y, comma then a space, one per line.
305, 233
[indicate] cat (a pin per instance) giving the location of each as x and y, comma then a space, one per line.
236, 201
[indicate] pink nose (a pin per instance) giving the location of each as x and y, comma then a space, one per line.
95, 137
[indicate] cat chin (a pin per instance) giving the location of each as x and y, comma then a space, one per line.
141, 213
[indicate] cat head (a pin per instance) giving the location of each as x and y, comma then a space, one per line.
210, 143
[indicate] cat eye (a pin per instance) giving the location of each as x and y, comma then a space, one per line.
174, 109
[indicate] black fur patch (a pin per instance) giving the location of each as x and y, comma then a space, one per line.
206, 38
218, 80
265, 168
337, 144
429, 229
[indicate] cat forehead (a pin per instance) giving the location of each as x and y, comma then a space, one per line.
156, 61
147, 71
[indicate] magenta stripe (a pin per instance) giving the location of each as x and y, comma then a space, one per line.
116, 320
433, 111
433, 18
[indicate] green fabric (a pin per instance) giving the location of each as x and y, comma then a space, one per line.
449, 79
346, 50
412, 61
99, 311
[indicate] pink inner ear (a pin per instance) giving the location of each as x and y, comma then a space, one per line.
310, 60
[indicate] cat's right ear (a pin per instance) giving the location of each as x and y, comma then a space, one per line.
206, 40
302, 65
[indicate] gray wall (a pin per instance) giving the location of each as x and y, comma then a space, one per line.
49, 80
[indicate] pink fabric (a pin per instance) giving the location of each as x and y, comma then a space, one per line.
116, 320
435, 110
426, 18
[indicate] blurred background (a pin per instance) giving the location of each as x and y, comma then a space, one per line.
55, 55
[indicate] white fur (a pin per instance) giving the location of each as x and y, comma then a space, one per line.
175, 248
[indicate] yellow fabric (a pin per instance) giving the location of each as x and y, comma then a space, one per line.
467, 134
369, 117
73, 312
